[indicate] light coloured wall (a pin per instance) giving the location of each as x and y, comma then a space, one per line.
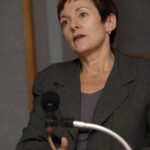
13, 85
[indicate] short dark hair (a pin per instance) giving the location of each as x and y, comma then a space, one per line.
104, 7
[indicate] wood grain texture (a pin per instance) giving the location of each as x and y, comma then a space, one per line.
30, 47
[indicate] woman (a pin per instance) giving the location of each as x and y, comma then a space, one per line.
103, 86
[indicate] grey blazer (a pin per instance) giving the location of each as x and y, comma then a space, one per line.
124, 106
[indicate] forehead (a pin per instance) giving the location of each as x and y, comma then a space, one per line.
78, 1
71, 5
73, 0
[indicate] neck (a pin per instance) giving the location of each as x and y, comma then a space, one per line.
96, 65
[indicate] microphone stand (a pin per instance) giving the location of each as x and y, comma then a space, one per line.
80, 124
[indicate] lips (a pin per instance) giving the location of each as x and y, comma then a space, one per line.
78, 37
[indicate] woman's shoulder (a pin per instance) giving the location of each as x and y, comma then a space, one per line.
60, 65
57, 69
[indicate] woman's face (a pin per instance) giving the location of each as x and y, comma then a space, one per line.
82, 26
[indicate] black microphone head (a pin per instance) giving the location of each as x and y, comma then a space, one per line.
50, 101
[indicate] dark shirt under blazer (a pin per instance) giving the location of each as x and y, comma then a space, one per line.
124, 105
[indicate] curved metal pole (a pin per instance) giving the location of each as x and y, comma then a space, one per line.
103, 129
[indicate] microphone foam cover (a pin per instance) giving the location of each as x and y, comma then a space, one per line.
50, 101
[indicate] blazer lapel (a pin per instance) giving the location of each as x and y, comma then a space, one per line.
68, 88
116, 90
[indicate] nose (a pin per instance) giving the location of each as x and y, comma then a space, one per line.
74, 25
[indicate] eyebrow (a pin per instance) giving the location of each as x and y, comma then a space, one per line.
77, 9
63, 16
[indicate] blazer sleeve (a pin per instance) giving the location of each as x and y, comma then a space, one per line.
34, 136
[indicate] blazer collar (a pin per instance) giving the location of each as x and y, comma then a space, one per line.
121, 68
69, 72
124, 64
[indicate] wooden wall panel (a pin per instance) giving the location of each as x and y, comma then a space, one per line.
30, 47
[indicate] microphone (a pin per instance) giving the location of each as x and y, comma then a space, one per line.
50, 103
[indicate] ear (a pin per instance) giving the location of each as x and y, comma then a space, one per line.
110, 23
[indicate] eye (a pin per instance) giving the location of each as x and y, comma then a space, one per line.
64, 23
83, 14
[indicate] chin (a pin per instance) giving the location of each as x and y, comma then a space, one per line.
81, 51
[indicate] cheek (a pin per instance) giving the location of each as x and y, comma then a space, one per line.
68, 39
93, 26
99, 29
66, 36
